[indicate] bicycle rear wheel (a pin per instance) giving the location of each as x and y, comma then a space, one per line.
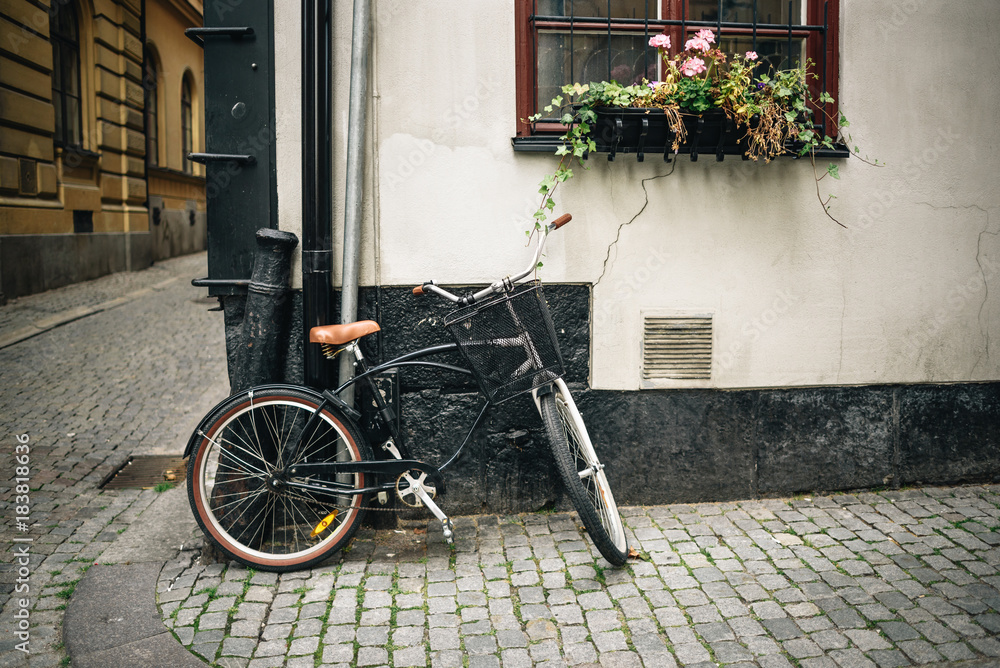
583, 473
251, 513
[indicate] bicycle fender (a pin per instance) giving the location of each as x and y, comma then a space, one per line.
538, 392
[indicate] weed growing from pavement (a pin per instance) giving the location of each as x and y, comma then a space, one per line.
359, 597
68, 590
393, 592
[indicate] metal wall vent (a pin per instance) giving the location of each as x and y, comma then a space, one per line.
677, 347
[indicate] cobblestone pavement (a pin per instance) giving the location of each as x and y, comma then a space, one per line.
34, 313
889, 579
131, 379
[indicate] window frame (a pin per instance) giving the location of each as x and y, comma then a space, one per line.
187, 122
824, 14
151, 104
67, 47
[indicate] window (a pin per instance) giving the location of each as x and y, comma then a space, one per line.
149, 83
187, 131
566, 41
65, 37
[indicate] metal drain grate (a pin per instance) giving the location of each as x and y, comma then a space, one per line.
148, 471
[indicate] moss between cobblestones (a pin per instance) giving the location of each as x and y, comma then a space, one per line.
792, 556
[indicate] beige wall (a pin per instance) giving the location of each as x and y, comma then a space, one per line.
108, 176
110, 183
177, 55
907, 294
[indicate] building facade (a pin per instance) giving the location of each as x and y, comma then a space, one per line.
835, 357
76, 198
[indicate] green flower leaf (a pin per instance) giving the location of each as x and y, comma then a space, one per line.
833, 171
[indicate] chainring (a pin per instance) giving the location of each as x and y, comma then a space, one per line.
407, 482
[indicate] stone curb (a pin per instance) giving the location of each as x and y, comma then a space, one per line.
112, 620
45, 324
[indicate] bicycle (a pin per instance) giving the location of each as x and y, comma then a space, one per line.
280, 476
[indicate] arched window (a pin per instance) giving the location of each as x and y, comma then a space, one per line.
151, 102
187, 126
65, 37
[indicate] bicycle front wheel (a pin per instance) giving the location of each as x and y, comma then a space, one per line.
583, 474
243, 503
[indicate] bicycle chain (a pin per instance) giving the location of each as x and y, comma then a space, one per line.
381, 509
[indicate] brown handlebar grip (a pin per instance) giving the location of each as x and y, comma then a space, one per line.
561, 220
419, 291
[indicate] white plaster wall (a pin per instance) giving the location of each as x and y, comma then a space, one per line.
907, 293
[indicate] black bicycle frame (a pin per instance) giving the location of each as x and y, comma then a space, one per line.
385, 416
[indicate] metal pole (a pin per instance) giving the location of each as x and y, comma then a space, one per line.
317, 185
609, 40
790, 65
355, 180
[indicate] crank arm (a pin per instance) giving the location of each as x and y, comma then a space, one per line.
446, 525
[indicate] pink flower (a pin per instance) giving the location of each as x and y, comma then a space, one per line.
660, 41
706, 35
751, 55
693, 66
696, 44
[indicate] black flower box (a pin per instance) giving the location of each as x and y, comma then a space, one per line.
642, 131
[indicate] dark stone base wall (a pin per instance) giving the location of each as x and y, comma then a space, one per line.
710, 445
31, 263
671, 446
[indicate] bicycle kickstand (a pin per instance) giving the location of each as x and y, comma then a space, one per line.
446, 524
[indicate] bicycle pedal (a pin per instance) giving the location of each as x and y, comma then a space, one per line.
449, 531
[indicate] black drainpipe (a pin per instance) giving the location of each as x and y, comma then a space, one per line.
317, 184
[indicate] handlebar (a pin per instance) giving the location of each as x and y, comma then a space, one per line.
560, 221
502, 284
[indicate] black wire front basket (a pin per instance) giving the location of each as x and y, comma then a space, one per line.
509, 342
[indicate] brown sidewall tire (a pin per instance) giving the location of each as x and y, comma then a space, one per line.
240, 404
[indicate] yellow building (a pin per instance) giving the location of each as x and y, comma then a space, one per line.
93, 125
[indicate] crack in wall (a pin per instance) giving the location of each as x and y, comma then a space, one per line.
984, 330
618, 235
